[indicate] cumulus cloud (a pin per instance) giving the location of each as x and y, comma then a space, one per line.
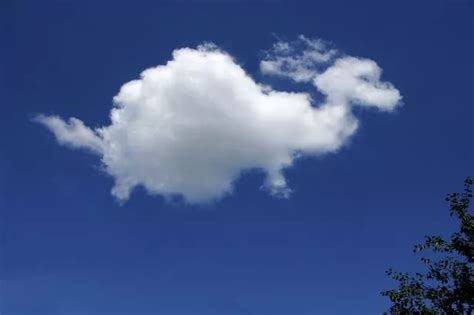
191, 126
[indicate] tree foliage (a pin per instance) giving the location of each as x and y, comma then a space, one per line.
447, 286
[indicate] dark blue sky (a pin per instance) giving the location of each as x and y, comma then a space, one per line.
68, 248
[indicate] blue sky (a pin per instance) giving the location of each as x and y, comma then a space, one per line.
68, 246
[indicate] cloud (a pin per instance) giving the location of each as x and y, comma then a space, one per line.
73, 134
353, 80
298, 60
191, 126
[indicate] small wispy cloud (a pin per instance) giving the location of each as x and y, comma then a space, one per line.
300, 60
191, 126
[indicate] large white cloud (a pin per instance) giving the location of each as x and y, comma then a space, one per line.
191, 126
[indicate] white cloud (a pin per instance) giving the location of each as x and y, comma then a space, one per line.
357, 80
73, 134
299, 60
191, 126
